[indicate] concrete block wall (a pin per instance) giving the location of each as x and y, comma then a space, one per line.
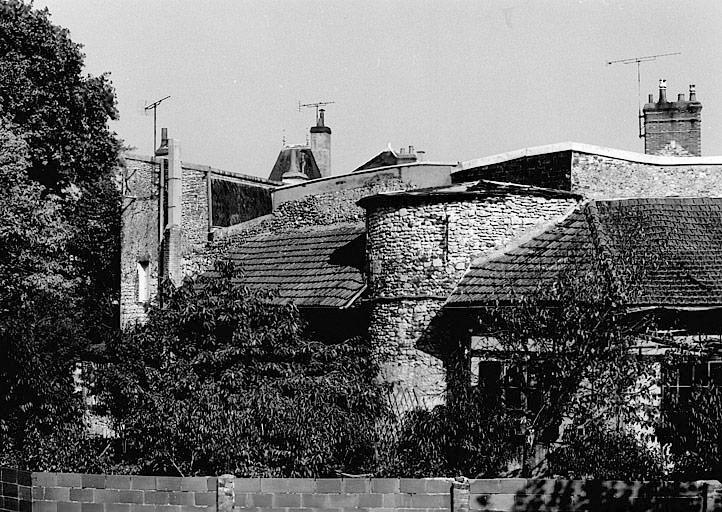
335, 494
506, 495
15, 490
73, 492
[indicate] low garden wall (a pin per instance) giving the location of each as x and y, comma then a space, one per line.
23, 491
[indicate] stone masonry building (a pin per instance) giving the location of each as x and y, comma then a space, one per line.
382, 250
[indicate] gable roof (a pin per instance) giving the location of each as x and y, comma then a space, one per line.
675, 244
319, 267
386, 158
304, 160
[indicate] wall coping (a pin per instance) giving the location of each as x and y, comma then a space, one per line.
205, 168
579, 147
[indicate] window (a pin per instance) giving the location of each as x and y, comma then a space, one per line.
143, 281
680, 380
511, 381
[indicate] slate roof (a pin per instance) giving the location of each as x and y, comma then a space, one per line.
319, 267
674, 244
304, 160
386, 158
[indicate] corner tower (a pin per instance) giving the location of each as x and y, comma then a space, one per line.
673, 128
321, 144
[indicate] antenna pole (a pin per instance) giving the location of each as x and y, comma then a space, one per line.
154, 107
638, 61
314, 105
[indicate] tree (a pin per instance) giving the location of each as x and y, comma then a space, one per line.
219, 380
59, 215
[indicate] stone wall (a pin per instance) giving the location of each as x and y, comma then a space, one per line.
599, 177
417, 250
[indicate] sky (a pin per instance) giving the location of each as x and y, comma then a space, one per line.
458, 79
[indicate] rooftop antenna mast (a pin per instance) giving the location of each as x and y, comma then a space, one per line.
154, 108
638, 61
316, 105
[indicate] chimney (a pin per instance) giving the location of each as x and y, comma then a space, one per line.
172, 238
673, 128
321, 144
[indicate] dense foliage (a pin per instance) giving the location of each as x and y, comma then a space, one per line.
59, 218
219, 381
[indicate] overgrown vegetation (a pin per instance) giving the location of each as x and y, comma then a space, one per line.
219, 381
59, 216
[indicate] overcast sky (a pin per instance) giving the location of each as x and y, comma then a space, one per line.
458, 79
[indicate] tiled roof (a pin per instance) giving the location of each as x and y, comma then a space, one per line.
670, 247
320, 267
305, 162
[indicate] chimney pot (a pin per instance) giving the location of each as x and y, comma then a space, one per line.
680, 97
162, 150
662, 91
650, 98
411, 150
692, 92
402, 151
321, 120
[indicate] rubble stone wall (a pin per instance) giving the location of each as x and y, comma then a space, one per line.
417, 251
601, 177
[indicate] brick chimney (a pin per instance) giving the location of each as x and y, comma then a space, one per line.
321, 144
673, 128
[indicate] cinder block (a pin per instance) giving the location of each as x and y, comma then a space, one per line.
142, 482
168, 483
116, 507
65, 506
11, 490
502, 502
25, 478
385, 485
117, 482
301, 485
182, 498
167, 508
269, 485
130, 496
314, 500
139, 507
93, 481
156, 498
259, 500
8, 475
193, 508
412, 485
370, 500
286, 500
106, 496
13, 504
438, 486
247, 484
38, 492
397, 500
195, 483
356, 485
55, 493
431, 501
91, 507
343, 500
45, 479
82, 495
25, 493
205, 498
38, 506
25, 506
68, 479
329, 485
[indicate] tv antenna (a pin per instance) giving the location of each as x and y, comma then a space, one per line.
638, 61
154, 107
312, 105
